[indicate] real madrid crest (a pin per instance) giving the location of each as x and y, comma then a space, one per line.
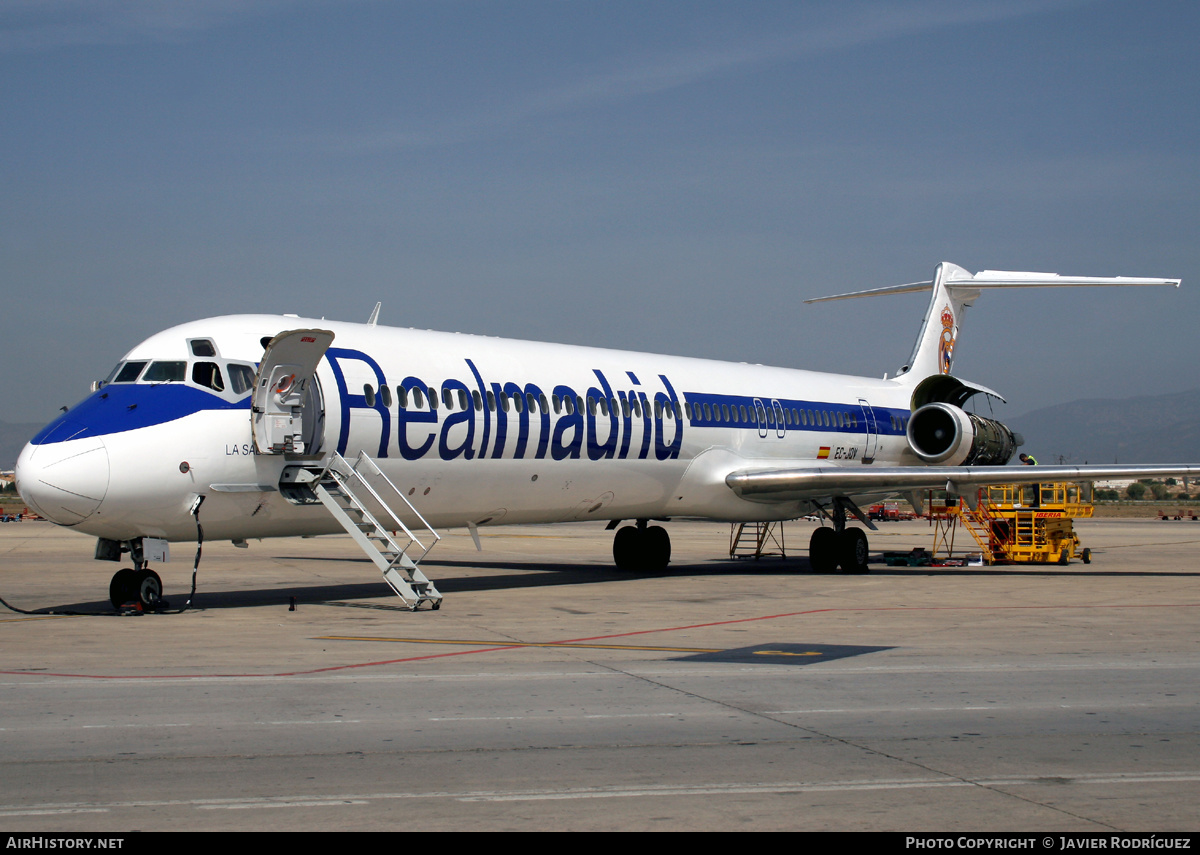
946, 342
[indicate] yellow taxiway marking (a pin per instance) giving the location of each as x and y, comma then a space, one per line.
518, 644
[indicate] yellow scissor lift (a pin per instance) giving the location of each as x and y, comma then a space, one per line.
1023, 523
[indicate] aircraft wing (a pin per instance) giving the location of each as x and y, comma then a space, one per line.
788, 485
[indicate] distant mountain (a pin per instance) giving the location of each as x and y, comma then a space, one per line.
12, 440
1158, 429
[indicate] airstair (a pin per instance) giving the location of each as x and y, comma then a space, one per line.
756, 539
369, 506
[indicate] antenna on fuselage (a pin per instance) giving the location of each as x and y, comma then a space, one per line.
371, 321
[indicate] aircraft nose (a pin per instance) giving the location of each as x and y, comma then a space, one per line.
65, 482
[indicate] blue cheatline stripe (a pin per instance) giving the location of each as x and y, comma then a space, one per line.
120, 407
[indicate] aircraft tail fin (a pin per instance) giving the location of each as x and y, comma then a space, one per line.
954, 290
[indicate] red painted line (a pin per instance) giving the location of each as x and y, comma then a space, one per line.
547, 644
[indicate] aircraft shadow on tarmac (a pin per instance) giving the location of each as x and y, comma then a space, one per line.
549, 573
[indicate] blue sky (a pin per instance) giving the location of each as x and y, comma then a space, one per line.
672, 177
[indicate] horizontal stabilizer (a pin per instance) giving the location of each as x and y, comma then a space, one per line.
1002, 279
954, 289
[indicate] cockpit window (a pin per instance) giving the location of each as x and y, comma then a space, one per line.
241, 378
203, 347
166, 372
208, 374
129, 372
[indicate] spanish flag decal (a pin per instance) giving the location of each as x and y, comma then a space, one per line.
823, 454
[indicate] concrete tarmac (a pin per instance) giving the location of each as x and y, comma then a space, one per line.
552, 692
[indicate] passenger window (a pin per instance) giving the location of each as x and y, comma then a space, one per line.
369, 394
432, 395
478, 400
448, 398
418, 398
208, 375
165, 372
462, 400
386, 394
402, 394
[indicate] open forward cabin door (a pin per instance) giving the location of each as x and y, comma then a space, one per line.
287, 411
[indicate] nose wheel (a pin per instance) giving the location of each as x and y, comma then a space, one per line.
128, 585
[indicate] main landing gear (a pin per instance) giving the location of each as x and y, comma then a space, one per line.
642, 548
831, 548
128, 585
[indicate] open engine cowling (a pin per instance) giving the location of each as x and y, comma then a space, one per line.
945, 434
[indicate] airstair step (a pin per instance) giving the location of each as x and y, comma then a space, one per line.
400, 570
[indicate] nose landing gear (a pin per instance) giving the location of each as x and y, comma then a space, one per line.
128, 585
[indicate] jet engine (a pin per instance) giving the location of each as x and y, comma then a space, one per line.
945, 434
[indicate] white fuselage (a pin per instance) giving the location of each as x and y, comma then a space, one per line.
548, 433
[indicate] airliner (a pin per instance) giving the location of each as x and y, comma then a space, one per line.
257, 426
